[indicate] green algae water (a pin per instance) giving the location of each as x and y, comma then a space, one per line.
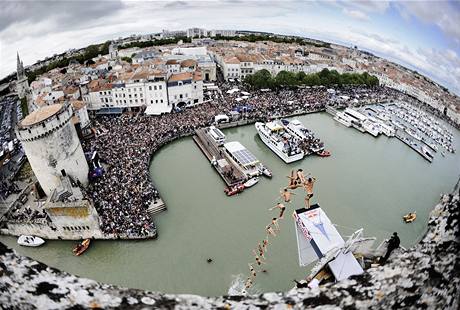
367, 182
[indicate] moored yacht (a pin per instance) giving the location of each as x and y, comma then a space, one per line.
308, 142
342, 119
427, 154
413, 133
356, 118
387, 130
281, 142
371, 127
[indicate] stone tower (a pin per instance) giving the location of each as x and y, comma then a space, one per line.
51, 144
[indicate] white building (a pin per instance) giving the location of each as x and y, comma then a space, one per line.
51, 144
81, 116
142, 89
185, 89
231, 67
99, 95
196, 32
222, 33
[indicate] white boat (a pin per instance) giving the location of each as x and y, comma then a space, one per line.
356, 118
413, 134
342, 119
297, 129
217, 135
265, 171
282, 143
387, 130
371, 127
251, 182
427, 154
383, 116
31, 241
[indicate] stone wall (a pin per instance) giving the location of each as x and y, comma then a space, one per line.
423, 277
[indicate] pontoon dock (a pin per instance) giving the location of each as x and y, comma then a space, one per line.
229, 171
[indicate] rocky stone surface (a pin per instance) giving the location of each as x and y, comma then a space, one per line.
423, 277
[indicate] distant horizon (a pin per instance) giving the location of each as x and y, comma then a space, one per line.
415, 34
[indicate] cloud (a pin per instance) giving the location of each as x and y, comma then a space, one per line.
444, 14
64, 13
356, 14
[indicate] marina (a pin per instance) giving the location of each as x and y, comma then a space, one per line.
415, 128
225, 230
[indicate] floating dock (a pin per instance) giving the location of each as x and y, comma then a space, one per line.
229, 171
417, 147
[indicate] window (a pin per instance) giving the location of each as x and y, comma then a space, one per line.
150, 87
151, 101
155, 87
160, 87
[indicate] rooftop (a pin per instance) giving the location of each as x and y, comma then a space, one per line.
41, 114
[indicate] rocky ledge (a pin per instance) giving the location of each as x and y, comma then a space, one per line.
423, 277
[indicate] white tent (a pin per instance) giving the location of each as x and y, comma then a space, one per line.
221, 118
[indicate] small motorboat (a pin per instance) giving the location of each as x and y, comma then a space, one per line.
251, 182
324, 153
230, 191
31, 241
410, 217
81, 247
266, 172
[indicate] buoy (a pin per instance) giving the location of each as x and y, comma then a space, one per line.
209, 260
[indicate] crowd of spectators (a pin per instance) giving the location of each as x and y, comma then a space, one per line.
8, 188
125, 144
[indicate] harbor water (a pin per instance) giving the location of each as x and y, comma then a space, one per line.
367, 183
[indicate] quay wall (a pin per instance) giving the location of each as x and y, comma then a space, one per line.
48, 232
425, 276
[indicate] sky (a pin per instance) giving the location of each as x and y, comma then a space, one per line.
421, 35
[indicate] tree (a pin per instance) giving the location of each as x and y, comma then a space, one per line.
285, 78
127, 59
260, 79
312, 79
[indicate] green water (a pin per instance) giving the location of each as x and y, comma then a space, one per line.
368, 182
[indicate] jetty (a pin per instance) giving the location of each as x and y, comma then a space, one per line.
416, 146
229, 171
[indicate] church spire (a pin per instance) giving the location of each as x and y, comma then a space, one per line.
20, 68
